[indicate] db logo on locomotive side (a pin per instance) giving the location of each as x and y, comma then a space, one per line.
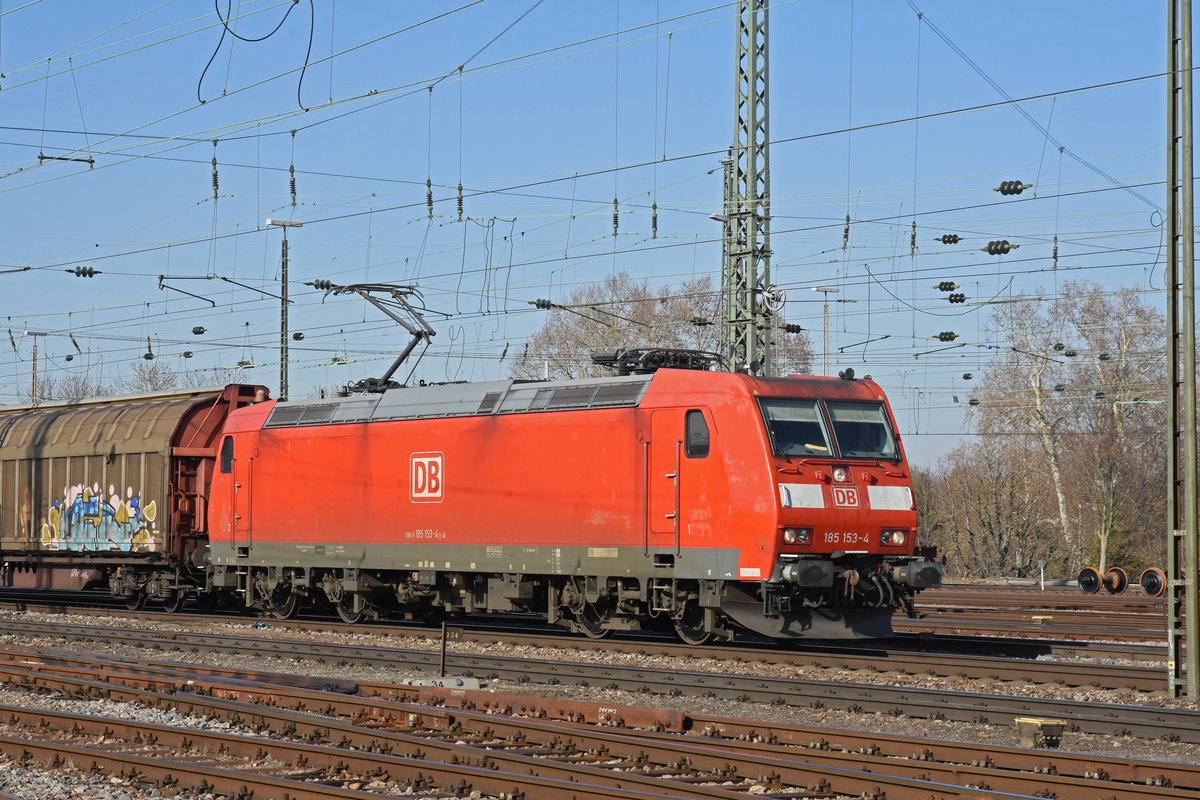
845, 497
425, 478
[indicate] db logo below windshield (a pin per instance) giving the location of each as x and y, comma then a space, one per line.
425, 478
845, 497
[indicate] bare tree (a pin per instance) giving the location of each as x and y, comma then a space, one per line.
987, 511
1020, 398
149, 376
1082, 378
78, 385
622, 312
1119, 450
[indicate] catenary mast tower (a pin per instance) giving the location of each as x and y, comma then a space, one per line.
746, 251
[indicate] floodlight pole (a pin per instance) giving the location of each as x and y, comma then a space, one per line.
827, 290
283, 302
34, 391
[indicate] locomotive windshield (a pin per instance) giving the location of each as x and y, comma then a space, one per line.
797, 428
862, 430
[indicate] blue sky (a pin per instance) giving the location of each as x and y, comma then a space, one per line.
561, 106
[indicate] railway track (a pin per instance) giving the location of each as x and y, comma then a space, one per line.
1136, 720
1060, 613
434, 740
1028, 640
869, 659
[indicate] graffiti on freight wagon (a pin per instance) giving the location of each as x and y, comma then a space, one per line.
82, 519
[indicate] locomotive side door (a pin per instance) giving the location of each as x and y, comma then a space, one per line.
243, 462
664, 459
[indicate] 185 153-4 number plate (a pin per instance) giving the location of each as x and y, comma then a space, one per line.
847, 538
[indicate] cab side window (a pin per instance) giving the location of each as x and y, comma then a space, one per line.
696, 438
227, 455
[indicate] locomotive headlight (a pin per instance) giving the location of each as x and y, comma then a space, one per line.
841, 474
797, 535
896, 538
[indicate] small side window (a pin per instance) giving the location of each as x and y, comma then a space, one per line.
227, 455
695, 434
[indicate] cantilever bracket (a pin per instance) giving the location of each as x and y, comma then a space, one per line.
163, 285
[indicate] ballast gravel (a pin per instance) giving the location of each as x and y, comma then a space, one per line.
32, 784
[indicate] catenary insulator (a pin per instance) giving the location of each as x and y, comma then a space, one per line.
1012, 187
846, 233
460, 204
429, 197
615, 222
957, 297
949, 238
654, 221
913, 240
947, 336
321, 283
1055, 252
215, 181
946, 286
999, 248
543, 303
292, 182
792, 327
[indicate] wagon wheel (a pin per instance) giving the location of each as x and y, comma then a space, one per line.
593, 622
284, 602
1115, 580
351, 608
135, 600
1090, 580
690, 625
1153, 582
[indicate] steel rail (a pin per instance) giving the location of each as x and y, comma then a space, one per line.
456, 762
449, 764
1136, 720
874, 659
723, 761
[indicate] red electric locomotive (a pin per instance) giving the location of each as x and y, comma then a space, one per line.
703, 501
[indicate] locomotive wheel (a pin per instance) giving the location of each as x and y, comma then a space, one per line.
135, 601
593, 623
1153, 581
175, 604
1116, 581
429, 614
284, 603
689, 626
206, 601
351, 608
1090, 580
